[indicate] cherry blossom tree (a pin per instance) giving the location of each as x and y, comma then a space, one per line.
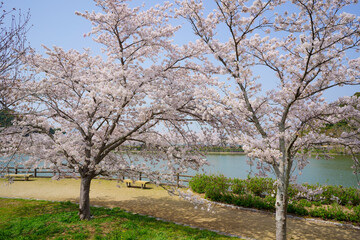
309, 49
13, 46
84, 110
350, 137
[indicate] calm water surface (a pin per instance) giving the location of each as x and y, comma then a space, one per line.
336, 171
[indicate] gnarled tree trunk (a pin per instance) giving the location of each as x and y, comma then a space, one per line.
84, 204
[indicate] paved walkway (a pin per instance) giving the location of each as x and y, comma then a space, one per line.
156, 202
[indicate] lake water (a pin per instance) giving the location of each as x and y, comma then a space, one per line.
335, 171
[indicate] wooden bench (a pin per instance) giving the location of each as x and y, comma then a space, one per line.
25, 176
142, 183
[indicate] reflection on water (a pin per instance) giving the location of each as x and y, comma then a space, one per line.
335, 171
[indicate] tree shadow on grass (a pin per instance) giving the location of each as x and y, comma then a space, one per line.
238, 222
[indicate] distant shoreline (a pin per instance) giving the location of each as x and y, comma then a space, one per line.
225, 153
243, 153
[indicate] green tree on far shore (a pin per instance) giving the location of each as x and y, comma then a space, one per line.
6, 117
335, 129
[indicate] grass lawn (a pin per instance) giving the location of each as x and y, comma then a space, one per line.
31, 219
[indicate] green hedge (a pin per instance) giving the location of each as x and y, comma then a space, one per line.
327, 202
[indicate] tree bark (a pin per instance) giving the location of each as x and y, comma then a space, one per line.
281, 210
84, 204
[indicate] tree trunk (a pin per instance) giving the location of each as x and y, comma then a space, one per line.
84, 204
281, 210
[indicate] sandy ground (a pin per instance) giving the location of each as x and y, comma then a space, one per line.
156, 202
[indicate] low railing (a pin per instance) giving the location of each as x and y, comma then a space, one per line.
49, 173
36, 172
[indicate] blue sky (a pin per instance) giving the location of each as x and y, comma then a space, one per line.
53, 23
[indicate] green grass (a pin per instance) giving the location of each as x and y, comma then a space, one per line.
31, 219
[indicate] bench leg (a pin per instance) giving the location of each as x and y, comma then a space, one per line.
128, 184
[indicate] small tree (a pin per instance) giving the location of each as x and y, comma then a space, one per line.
306, 49
100, 107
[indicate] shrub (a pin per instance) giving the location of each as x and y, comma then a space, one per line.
199, 183
228, 198
217, 187
355, 217
238, 186
260, 186
297, 208
269, 203
260, 193
292, 191
244, 200
330, 212
345, 196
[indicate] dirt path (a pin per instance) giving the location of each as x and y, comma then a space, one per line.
156, 202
